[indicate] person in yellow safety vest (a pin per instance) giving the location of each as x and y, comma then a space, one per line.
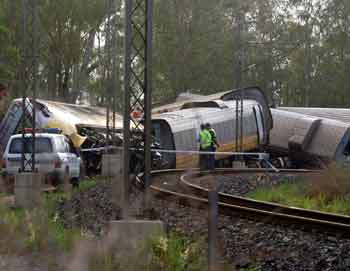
214, 145
205, 143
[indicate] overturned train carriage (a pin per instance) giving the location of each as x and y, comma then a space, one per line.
178, 130
308, 138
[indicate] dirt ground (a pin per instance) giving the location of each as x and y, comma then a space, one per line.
20, 263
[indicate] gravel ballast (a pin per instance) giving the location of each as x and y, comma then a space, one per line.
244, 243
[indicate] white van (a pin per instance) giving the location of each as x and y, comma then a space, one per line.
54, 157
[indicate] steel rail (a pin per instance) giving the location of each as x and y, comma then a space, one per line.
189, 194
267, 206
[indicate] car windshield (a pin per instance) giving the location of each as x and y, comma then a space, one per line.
42, 145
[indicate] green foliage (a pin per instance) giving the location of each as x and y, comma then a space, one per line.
298, 49
87, 184
35, 230
177, 253
255, 268
303, 195
64, 238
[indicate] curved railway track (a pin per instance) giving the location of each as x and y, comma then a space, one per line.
178, 185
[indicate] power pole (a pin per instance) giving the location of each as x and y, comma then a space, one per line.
111, 70
138, 84
29, 76
308, 57
239, 74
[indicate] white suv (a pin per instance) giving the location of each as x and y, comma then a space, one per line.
54, 157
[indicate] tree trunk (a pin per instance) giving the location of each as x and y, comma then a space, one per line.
65, 86
51, 82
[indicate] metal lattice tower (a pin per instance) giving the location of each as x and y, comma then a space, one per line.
138, 82
239, 73
111, 69
29, 75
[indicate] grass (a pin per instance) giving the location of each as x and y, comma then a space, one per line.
36, 230
2, 194
255, 268
173, 253
86, 184
42, 230
62, 237
328, 192
177, 253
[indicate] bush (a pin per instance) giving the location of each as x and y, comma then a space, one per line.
331, 184
177, 253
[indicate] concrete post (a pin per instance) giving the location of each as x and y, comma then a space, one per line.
28, 190
2, 184
112, 164
66, 185
112, 167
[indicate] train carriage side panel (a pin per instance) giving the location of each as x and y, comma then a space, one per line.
184, 125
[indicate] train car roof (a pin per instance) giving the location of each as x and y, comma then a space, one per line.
324, 137
249, 93
340, 114
185, 119
177, 105
51, 114
80, 114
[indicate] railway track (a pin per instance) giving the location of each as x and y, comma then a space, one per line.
179, 185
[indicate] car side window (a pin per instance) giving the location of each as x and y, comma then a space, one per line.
61, 145
16, 146
70, 146
42, 145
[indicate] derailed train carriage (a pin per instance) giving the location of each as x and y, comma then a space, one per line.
315, 138
178, 130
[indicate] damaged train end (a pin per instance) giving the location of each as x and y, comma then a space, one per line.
308, 140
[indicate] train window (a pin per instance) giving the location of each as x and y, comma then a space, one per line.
259, 123
347, 151
156, 129
262, 117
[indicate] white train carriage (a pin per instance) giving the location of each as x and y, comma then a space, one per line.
179, 130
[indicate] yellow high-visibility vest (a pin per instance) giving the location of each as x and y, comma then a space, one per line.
205, 139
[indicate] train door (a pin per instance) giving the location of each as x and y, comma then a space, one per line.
259, 123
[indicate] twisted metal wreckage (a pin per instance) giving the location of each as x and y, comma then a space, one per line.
83, 125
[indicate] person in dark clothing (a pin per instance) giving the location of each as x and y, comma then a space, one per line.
213, 146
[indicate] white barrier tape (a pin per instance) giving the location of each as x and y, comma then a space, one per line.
261, 155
